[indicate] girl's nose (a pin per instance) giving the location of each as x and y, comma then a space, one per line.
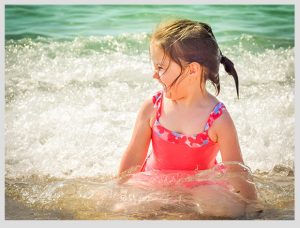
155, 75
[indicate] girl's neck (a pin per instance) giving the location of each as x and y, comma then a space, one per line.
194, 99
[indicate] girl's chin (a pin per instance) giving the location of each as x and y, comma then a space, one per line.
171, 95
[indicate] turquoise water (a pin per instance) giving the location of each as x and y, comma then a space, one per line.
75, 77
268, 24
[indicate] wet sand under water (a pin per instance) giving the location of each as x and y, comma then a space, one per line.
17, 210
42, 198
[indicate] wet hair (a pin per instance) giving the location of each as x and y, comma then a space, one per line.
186, 41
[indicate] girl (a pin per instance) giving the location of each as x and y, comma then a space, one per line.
187, 125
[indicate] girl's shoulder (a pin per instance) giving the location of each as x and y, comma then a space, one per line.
148, 110
220, 118
147, 107
218, 112
217, 106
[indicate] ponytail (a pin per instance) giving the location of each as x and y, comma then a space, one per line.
229, 68
228, 65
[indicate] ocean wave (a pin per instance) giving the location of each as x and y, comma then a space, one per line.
79, 99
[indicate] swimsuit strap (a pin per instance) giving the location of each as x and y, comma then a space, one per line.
215, 114
157, 101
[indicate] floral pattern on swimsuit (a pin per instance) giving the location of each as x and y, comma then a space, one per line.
195, 140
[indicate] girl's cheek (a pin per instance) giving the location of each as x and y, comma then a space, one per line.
162, 79
166, 80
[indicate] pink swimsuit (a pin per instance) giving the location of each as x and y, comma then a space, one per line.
176, 151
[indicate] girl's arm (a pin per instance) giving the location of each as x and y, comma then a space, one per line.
137, 149
230, 151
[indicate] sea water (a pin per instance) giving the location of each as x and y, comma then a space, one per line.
75, 77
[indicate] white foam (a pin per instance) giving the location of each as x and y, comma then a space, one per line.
71, 114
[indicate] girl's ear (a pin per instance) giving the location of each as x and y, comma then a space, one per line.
195, 69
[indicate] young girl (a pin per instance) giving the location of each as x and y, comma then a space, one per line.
187, 125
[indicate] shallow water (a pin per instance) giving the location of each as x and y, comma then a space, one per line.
73, 89
158, 196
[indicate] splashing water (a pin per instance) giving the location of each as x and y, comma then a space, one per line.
70, 106
155, 195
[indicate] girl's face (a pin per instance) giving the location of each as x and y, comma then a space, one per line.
166, 71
